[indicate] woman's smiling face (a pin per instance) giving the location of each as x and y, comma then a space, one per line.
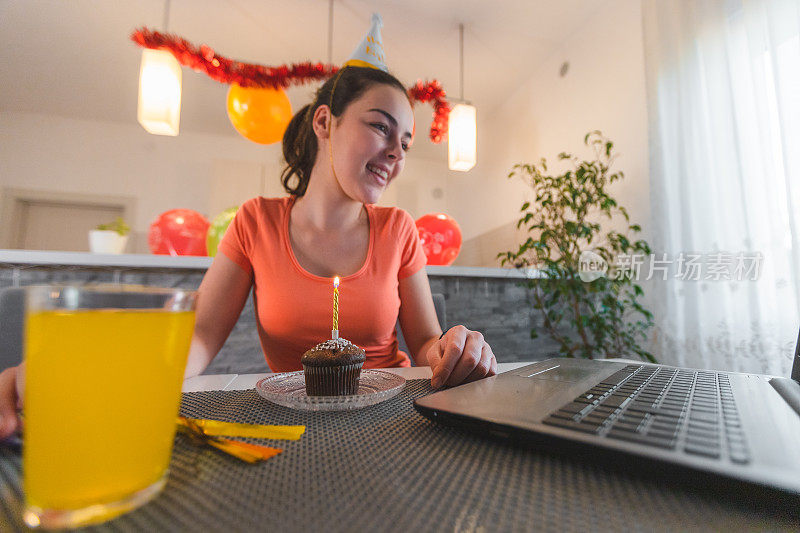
369, 141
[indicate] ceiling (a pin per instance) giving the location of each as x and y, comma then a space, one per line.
73, 57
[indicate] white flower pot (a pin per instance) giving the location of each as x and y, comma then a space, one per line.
106, 242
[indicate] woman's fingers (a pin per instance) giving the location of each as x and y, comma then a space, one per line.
470, 360
486, 367
461, 356
9, 422
453, 343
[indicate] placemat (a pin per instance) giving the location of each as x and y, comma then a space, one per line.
387, 468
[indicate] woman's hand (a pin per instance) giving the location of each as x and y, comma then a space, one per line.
10, 399
460, 356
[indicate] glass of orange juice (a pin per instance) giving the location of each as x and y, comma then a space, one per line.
103, 372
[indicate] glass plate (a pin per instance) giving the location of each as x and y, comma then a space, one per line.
289, 390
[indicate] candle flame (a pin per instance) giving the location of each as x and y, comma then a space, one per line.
336, 281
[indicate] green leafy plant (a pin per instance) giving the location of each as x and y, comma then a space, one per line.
118, 225
589, 313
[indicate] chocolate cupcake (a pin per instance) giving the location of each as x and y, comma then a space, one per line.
332, 368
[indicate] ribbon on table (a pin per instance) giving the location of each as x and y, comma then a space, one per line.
251, 453
217, 428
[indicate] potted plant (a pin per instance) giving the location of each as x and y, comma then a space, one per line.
587, 299
109, 238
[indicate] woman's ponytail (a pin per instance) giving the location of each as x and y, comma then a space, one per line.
299, 151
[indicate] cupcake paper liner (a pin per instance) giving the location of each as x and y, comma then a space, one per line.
332, 380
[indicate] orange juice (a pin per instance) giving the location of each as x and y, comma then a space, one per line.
101, 395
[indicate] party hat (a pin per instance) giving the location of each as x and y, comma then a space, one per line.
369, 53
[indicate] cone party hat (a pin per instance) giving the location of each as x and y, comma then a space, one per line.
369, 53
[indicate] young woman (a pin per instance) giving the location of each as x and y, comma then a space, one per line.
342, 151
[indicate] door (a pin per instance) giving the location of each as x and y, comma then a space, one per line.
61, 226
52, 220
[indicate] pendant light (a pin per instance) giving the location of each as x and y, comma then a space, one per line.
160, 89
462, 130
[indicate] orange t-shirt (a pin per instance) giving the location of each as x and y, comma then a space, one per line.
294, 308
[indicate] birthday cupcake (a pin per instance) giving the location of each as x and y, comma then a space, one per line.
332, 368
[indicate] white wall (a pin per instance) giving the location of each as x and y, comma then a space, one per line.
46, 152
604, 89
196, 171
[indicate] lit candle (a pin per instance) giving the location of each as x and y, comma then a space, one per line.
335, 330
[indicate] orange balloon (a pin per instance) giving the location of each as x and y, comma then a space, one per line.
260, 115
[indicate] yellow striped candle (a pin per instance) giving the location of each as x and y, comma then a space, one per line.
335, 330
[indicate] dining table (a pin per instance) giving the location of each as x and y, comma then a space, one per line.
385, 467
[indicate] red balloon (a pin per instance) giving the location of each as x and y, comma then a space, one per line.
440, 237
178, 232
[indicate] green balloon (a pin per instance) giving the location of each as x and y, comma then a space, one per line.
217, 229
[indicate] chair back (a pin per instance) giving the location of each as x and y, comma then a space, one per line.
12, 319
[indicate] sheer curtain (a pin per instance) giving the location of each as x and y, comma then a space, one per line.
723, 83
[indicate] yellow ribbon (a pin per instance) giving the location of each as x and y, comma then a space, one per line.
251, 453
216, 428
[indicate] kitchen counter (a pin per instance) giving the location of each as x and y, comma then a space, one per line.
86, 259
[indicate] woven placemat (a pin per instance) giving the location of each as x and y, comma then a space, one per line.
387, 468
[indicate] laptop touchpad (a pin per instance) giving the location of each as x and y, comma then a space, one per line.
560, 372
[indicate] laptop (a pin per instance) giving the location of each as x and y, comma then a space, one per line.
680, 422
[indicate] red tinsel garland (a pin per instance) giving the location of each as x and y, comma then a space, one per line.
224, 70
432, 91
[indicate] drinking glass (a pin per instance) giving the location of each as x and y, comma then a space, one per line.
103, 372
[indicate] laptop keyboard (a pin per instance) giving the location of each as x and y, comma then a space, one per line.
689, 410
